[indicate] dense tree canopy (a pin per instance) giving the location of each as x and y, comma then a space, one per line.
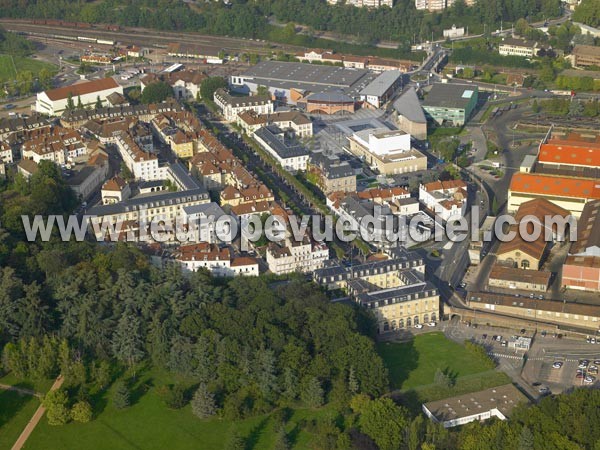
156, 92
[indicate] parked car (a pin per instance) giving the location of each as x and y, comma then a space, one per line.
432, 324
544, 390
504, 343
418, 326
522, 330
484, 336
589, 379
544, 333
557, 365
593, 370
579, 375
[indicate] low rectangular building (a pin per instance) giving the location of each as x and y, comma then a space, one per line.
514, 278
478, 406
54, 101
517, 47
585, 56
581, 273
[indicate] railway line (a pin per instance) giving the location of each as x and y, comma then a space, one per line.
140, 36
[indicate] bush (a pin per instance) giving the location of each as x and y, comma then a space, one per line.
81, 412
173, 396
55, 403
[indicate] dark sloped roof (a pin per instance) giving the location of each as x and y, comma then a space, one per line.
408, 105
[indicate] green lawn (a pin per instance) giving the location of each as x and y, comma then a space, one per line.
7, 69
15, 411
148, 424
412, 364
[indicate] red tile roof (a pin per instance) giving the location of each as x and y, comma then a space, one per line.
555, 186
575, 155
82, 88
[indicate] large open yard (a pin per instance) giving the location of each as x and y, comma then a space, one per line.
148, 424
412, 366
20, 63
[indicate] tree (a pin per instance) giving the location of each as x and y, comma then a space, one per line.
313, 393
526, 439
172, 396
235, 441
70, 104
98, 102
384, 422
442, 379
535, 107
281, 440
81, 412
121, 395
353, 385
55, 403
203, 403
262, 90
79, 104
156, 92
210, 85
127, 342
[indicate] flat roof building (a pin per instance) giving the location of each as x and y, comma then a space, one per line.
494, 402
451, 103
289, 81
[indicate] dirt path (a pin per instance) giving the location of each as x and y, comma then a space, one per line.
35, 418
8, 387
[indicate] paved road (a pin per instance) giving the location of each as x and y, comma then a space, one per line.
36, 418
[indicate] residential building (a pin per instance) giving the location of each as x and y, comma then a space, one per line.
517, 47
143, 165
569, 193
217, 260
388, 152
379, 91
138, 211
231, 106
6, 153
56, 144
290, 256
54, 101
185, 83
451, 104
410, 117
332, 174
292, 156
585, 56
446, 199
115, 190
379, 65
365, 3
204, 219
515, 278
301, 125
495, 402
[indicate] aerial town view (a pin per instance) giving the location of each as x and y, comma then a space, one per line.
300, 224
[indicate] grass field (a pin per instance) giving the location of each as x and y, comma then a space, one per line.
412, 364
148, 424
7, 68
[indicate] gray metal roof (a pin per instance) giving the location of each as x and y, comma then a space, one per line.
308, 77
408, 105
330, 97
268, 135
380, 85
450, 95
150, 200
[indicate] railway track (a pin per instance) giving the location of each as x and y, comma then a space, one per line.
140, 36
